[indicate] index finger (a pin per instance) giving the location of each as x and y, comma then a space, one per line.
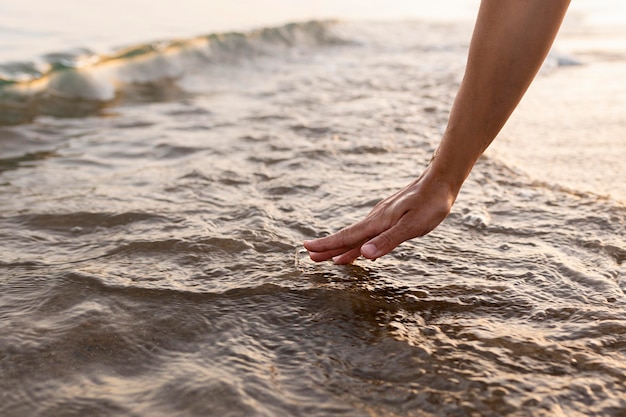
346, 238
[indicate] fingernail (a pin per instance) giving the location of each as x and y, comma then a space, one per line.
369, 250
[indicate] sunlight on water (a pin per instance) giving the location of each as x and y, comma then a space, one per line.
608, 13
32, 27
154, 201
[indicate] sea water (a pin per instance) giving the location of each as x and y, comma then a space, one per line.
155, 191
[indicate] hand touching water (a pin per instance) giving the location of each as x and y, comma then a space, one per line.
510, 42
413, 211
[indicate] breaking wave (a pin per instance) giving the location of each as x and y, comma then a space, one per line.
80, 82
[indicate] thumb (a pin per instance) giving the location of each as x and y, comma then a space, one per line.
383, 243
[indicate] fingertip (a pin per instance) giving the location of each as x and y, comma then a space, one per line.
317, 256
342, 260
347, 257
310, 245
370, 251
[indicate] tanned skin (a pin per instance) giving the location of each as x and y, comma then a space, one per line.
511, 40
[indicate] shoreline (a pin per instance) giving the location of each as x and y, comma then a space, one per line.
569, 129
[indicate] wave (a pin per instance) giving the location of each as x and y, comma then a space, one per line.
79, 82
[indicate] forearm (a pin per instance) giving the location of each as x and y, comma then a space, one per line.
510, 42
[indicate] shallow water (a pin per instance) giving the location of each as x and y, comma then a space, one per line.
151, 258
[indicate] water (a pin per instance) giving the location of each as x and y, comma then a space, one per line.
154, 201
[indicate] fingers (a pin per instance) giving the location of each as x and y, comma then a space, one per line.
345, 244
326, 255
347, 238
372, 249
348, 257
382, 244
388, 240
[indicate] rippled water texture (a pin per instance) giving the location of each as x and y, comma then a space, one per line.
151, 262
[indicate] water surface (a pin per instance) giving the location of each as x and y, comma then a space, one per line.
154, 201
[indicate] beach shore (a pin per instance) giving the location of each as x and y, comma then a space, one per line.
570, 127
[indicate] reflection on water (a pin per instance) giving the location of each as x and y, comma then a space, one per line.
151, 255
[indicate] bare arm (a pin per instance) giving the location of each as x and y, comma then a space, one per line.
510, 42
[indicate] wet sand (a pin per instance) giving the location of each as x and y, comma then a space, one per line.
570, 128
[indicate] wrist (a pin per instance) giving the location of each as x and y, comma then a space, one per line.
446, 174
440, 182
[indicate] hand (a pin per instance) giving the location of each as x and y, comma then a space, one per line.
413, 211
510, 41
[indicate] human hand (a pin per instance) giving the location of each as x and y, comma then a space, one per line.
413, 211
